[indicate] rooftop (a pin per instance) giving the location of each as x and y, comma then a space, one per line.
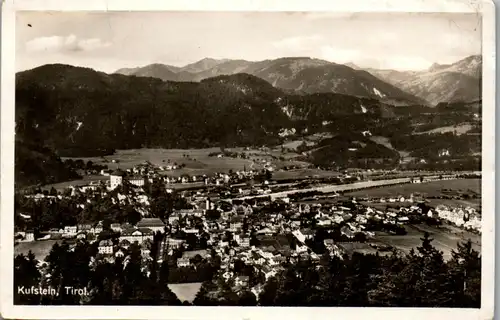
150, 222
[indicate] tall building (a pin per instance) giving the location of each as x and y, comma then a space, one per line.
116, 178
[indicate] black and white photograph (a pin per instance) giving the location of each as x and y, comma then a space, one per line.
249, 159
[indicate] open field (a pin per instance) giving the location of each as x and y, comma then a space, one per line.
309, 141
445, 238
455, 203
387, 143
198, 162
458, 130
84, 181
433, 188
195, 160
40, 248
185, 291
303, 174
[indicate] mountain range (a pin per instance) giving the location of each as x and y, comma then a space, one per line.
460, 81
297, 75
67, 111
456, 82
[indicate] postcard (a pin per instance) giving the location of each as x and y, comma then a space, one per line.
247, 159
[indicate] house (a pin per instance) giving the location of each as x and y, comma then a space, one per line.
227, 275
444, 153
236, 223
328, 243
29, 235
257, 290
268, 272
242, 240
136, 181
96, 229
106, 172
346, 231
308, 233
173, 218
20, 235
116, 178
70, 230
85, 227
191, 254
403, 219
155, 224
257, 258
296, 224
81, 235
136, 234
241, 281
265, 231
324, 221
183, 262
191, 230
119, 253
173, 243
105, 247
116, 227
301, 248
124, 244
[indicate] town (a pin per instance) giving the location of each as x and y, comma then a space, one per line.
235, 229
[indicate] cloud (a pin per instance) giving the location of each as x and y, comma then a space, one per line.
298, 43
64, 44
340, 55
406, 63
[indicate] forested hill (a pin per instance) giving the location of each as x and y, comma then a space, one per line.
80, 112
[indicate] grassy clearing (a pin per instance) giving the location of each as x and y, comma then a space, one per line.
458, 130
196, 160
454, 203
445, 238
185, 291
40, 248
433, 188
82, 182
387, 143
303, 174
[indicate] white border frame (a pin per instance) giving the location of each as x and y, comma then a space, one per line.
8, 310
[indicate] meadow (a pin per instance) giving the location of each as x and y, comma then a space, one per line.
445, 238
432, 188
198, 162
40, 248
185, 291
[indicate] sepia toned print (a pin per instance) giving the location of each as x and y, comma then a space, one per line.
253, 159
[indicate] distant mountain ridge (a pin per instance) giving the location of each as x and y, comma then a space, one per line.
97, 113
300, 75
456, 82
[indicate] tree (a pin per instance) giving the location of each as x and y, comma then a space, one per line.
133, 216
201, 298
254, 241
465, 275
212, 214
247, 298
26, 275
422, 282
53, 191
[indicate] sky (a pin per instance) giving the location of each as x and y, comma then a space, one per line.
107, 41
